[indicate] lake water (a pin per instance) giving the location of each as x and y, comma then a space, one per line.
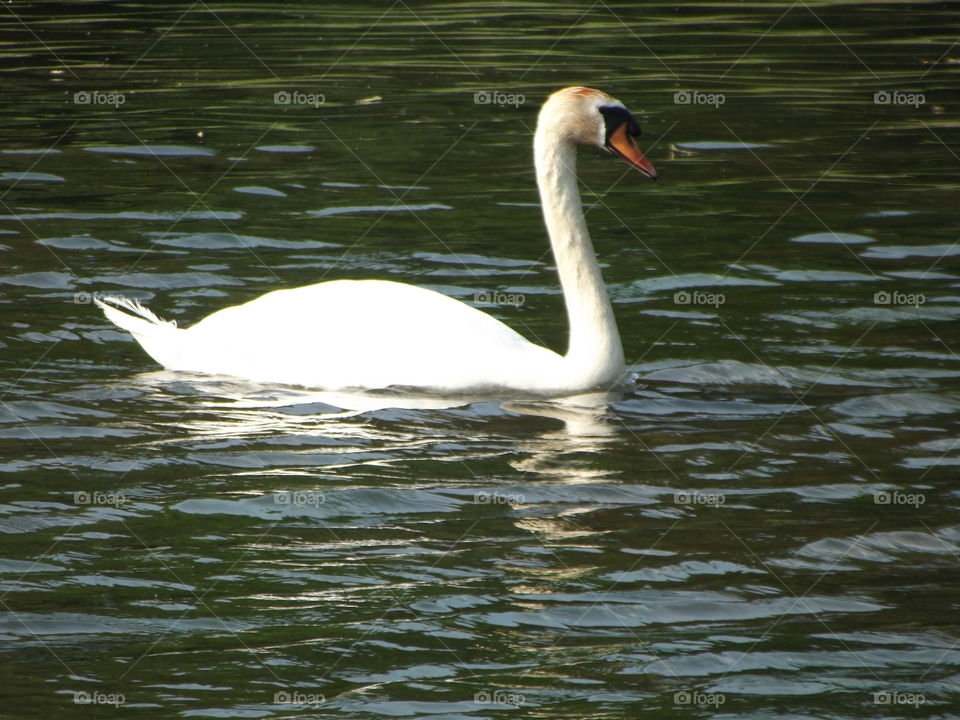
764, 524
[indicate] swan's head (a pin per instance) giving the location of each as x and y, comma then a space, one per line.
591, 117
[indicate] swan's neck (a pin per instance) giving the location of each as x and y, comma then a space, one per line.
594, 355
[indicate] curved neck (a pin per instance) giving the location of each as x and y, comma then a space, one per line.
595, 354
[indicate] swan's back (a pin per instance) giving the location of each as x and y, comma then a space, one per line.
359, 333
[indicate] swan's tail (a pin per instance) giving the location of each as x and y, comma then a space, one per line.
160, 338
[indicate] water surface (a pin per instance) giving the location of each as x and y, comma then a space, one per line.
763, 524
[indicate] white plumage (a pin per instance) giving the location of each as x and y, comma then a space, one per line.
369, 334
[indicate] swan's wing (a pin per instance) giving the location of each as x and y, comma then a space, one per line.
363, 333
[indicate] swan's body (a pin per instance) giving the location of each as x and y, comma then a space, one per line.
374, 334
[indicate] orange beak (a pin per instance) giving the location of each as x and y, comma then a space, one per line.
626, 147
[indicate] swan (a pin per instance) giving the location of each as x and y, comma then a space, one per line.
375, 334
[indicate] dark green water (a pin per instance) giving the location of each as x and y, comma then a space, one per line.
764, 525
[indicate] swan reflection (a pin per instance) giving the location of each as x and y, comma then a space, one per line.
230, 407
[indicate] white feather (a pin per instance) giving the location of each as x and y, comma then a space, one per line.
132, 305
160, 338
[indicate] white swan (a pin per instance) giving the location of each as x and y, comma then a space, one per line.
370, 334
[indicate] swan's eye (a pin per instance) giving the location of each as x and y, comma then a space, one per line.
615, 117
